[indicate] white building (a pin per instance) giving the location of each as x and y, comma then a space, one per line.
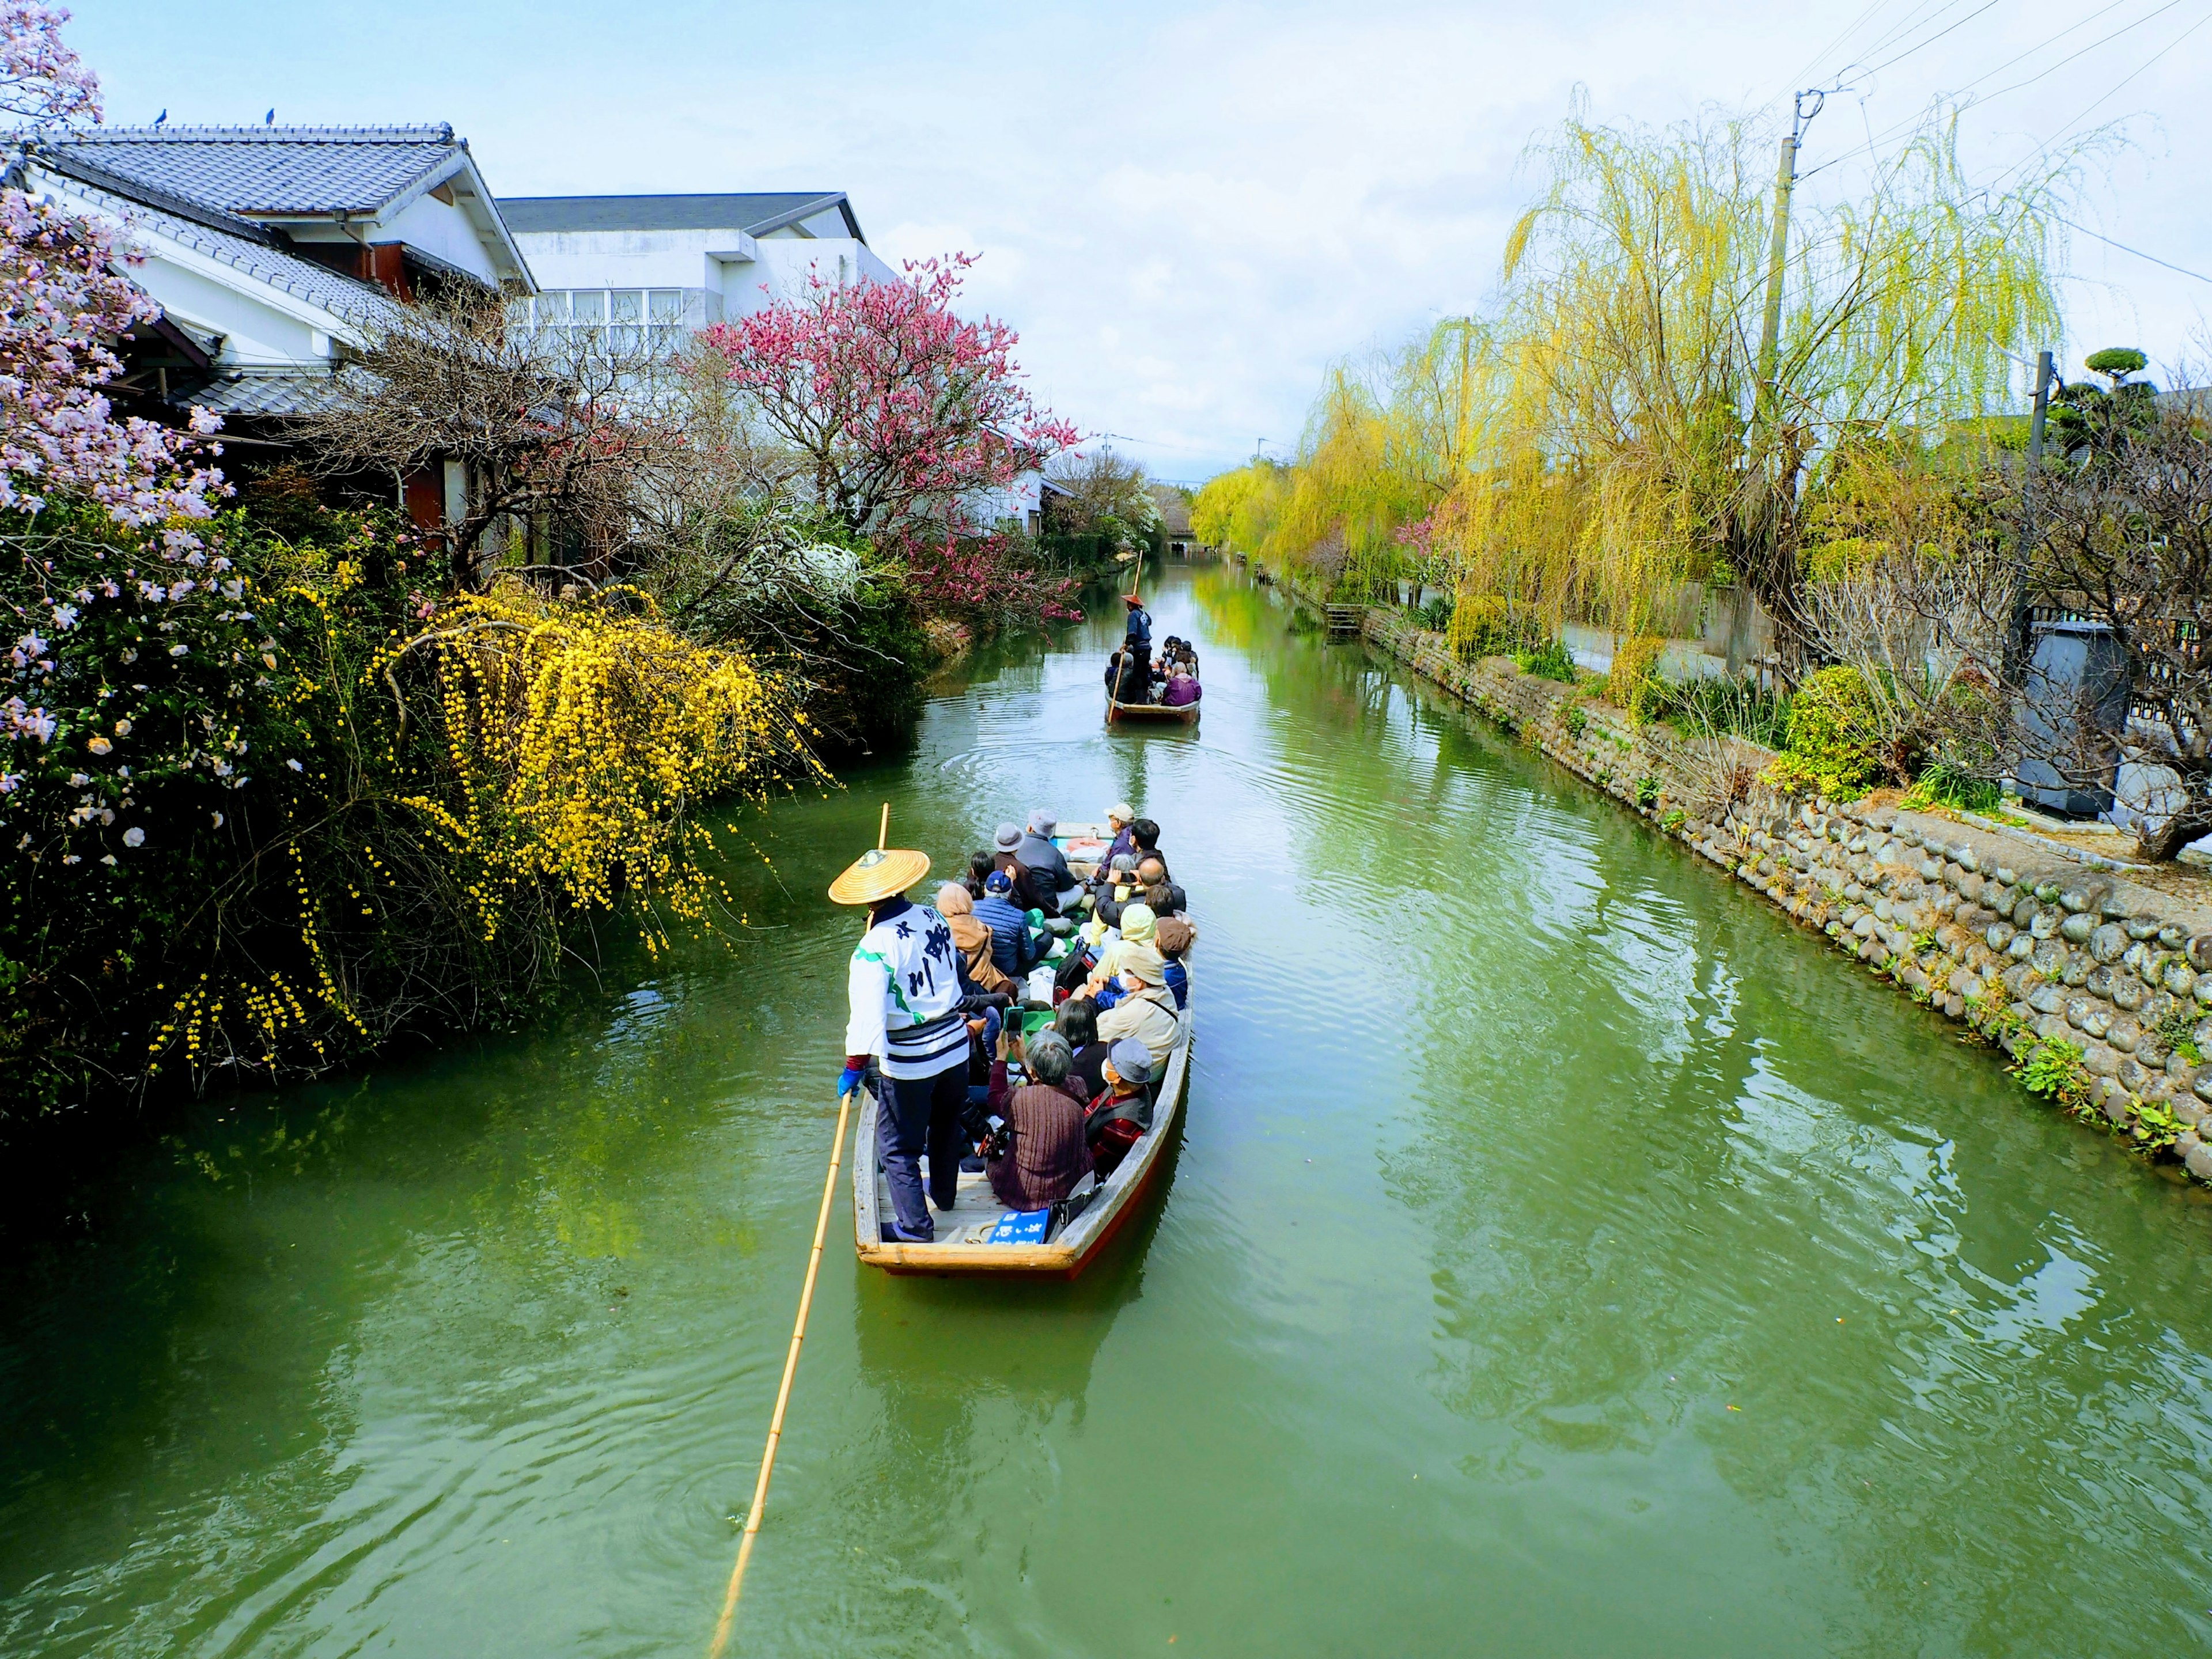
274, 251
688, 261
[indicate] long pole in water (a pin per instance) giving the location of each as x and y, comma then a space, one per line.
724, 1624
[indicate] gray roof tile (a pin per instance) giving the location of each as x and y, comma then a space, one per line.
273, 393
262, 170
343, 296
754, 212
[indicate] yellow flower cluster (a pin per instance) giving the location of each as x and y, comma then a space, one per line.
582, 735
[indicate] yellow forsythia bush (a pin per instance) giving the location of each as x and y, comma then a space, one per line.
583, 736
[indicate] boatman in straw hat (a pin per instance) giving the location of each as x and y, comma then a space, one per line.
904, 988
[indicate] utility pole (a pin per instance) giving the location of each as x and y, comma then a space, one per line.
2018, 648
1785, 180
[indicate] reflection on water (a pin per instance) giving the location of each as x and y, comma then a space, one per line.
1563, 1256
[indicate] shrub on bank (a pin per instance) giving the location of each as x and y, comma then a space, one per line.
1835, 737
266, 810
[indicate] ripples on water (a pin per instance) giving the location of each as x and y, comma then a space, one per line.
1563, 1256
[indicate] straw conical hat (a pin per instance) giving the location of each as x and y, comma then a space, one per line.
879, 874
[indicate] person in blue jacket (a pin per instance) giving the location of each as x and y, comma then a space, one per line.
1013, 949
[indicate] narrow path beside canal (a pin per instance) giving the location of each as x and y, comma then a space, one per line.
1563, 1256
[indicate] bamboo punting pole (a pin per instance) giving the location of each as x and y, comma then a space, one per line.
728, 1620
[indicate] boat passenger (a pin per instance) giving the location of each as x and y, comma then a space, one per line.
1118, 891
1013, 948
1175, 936
904, 1011
1183, 689
973, 939
1146, 1012
1046, 1154
979, 865
1153, 877
1119, 816
1077, 1019
1134, 684
1048, 865
1123, 1111
1007, 839
1146, 834
1138, 923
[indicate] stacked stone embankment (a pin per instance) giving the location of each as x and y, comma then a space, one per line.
2017, 936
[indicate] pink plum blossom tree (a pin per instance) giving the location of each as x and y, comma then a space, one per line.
901, 413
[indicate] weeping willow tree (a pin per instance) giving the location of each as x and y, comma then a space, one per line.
1608, 429
1635, 288
1241, 509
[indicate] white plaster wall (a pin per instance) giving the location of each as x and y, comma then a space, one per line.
776, 267
629, 259
436, 228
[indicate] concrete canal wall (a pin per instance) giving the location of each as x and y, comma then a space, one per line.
2037, 947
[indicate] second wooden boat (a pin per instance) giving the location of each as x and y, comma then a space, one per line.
1153, 713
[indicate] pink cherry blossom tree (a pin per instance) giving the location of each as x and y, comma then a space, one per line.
900, 412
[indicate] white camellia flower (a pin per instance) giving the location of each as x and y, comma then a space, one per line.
179, 650
122, 728
295, 766
218, 820
99, 745
107, 858
134, 836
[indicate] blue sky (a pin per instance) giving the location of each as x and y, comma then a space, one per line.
1189, 210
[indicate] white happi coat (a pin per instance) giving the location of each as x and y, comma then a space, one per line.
904, 987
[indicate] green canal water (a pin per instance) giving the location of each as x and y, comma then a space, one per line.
1562, 1256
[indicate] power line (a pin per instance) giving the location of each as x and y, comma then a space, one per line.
2106, 97
1875, 140
1849, 29
2137, 251
1986, 6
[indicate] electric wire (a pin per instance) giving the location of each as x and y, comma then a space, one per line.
1875, 140
2045, 147
2137, 251
1930, 40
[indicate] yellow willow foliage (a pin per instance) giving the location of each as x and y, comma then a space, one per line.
1239, 510
1602, 432
584, 737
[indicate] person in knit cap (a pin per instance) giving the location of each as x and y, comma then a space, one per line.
904, 1011
1137, 925
1174, 935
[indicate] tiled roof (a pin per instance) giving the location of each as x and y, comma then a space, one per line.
276, 392
260, 170
754, 213
342, 296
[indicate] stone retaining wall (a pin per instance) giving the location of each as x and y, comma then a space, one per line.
2010, 934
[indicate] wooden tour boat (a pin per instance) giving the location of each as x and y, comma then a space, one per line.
1156, 712
963, 1244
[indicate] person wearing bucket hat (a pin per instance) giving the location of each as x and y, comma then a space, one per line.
1119, 1118
905, 1012
1147, 1009
1048, 865
1006, 843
